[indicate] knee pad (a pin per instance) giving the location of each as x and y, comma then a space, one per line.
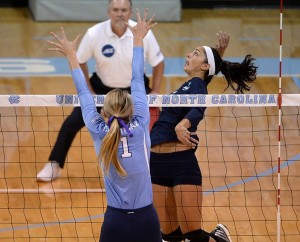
175, 236
197, 236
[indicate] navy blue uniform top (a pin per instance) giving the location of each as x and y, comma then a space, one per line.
163, 129
133, 191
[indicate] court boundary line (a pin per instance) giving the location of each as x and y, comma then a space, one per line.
96, 190
49, 190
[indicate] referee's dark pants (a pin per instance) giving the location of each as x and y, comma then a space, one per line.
74, 122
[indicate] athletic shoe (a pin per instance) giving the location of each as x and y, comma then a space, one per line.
221, 233
50, 172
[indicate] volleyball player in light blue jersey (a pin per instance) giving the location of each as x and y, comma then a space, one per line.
122, 142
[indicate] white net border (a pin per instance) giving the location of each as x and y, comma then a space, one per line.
172, 100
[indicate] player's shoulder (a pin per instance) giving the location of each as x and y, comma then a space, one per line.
198, 85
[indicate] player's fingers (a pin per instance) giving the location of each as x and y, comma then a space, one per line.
221, 39
227, 38
57, 50
55, 36
145, 14
63, 34
138, 16
128, 26
77, 39
53, 43
152, 25
193, 140
150, 22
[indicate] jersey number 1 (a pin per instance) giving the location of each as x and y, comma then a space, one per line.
126, 153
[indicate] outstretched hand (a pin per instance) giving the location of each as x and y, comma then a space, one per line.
65, 47
223, 41
142, 27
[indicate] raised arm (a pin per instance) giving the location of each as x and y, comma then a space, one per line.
139, 31
138, 92
66, 47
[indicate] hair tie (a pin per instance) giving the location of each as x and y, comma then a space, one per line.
110, 120
211, 61
120, 121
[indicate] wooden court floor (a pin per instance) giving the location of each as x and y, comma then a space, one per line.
238, 153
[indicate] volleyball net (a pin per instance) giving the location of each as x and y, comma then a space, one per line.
238, 155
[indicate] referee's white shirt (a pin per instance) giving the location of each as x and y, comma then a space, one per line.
113, 54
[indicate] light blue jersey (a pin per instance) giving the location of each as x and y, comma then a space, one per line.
134, 190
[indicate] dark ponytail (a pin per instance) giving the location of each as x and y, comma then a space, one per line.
237, 75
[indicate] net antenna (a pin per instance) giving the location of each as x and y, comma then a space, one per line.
279, 125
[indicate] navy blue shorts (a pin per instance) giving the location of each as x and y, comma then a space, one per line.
133, 225
178, 168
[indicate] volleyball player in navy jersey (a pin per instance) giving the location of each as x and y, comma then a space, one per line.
175, 173
122, 142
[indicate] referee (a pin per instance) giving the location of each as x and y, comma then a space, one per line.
110, 44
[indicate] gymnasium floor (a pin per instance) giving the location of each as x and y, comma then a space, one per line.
240, 182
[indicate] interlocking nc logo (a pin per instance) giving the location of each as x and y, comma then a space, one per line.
14, 99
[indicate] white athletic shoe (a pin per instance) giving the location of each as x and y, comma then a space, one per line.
222, 233
50, 172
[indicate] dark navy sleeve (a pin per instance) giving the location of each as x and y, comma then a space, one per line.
138, 92
196, 114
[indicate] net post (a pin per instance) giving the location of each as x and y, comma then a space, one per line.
279, 126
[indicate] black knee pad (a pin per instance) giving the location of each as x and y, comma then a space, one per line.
197, 236
175, 236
